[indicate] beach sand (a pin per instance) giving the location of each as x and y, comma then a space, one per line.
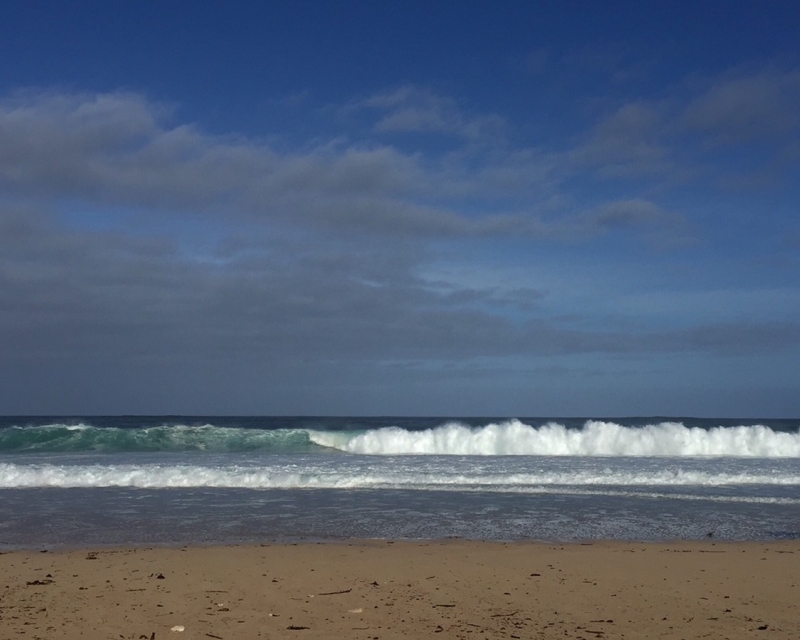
383, 589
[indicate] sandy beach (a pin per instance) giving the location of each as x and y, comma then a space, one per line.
383, 589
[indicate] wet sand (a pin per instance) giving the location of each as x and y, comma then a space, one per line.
380, 590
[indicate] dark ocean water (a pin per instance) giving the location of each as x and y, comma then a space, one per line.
82, 481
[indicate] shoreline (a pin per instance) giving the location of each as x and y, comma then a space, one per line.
398, 589
335, 541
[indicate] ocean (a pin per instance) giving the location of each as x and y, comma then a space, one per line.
171, 480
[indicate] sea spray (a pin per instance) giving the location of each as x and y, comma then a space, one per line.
596, 438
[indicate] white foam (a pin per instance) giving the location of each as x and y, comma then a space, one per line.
596, 438
57, 425
152, 476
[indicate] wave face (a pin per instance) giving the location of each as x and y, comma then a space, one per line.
62, 438
513, 437
594, 439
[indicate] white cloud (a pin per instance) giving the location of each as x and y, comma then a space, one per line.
626, 143
117, 149
410, 109
747, 107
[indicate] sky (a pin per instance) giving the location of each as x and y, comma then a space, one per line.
447, 208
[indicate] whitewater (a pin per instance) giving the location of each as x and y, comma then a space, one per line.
165, 479
553, 439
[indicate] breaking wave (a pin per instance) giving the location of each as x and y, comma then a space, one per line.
594, 439
513, 437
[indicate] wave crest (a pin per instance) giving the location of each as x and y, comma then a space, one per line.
596, 438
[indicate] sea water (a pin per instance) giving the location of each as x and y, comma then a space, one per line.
177, 480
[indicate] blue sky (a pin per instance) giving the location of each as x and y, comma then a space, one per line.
472, 208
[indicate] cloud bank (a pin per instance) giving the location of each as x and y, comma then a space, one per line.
137, 247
